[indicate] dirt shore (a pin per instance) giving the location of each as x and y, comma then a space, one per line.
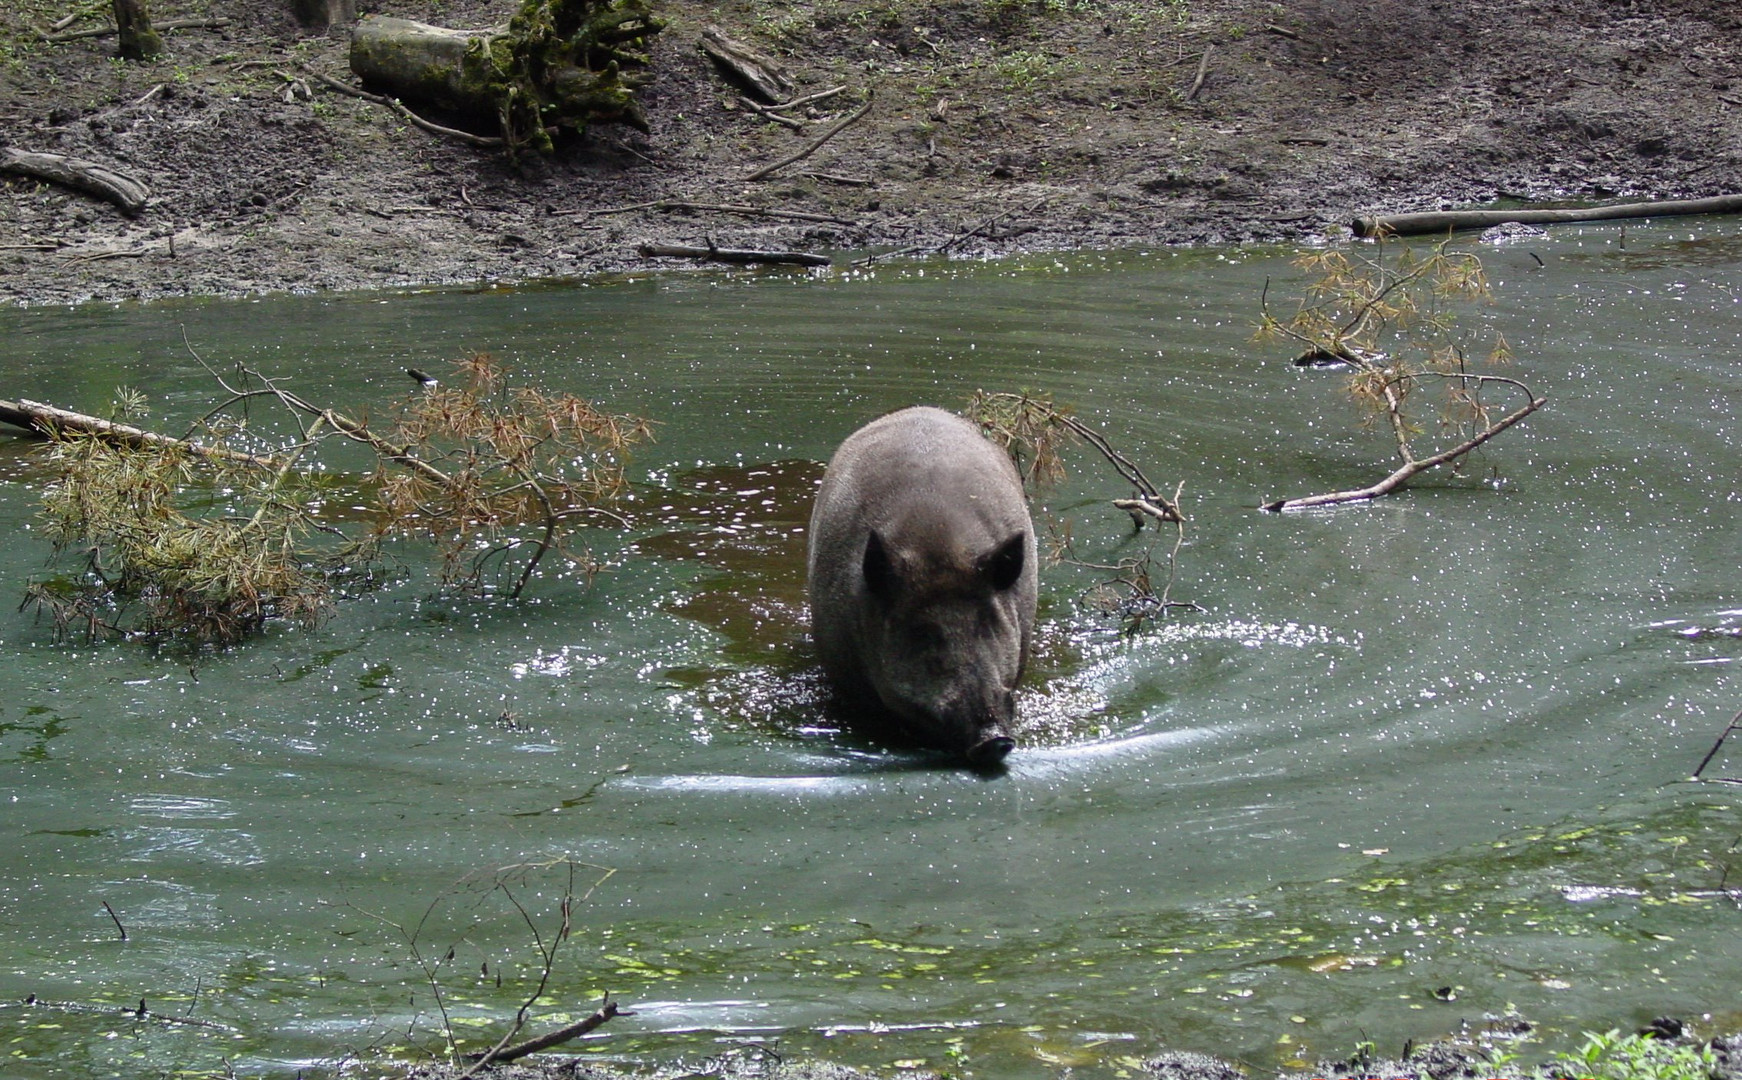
996, 126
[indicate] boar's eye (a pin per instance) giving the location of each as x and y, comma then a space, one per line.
880, 576
1004, 566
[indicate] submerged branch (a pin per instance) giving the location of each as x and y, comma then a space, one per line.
1735, 725
49, 421
599, 1018
1413, 468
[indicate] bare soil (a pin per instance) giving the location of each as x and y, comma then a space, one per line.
997, 126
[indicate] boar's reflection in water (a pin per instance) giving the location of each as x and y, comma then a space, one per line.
922, 581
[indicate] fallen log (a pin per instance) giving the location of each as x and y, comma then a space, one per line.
422, 62
48, 421
123, 190
1449, 220
731, 255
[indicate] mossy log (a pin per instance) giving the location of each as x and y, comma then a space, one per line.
557, 64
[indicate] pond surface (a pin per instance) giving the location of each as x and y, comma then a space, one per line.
1408, 763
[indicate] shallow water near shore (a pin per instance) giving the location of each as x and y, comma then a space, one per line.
1409, 762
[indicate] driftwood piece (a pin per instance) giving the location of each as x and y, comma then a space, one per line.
49, 421
732, 255
1409, 469
746, 67
126, 192
504, 1055
1448, 220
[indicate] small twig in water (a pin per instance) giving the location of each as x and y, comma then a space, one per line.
117, 919
1735, 723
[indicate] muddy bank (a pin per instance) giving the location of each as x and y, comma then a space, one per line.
996, 127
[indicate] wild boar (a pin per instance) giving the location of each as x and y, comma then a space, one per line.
922, 580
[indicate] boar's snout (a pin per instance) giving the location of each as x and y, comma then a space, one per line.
990, 750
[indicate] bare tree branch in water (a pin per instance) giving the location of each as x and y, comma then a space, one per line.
1390, 326
471, 895
209, 536
1035, 431
1699, 773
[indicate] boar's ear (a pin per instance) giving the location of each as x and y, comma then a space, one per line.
879, 569
1004, 565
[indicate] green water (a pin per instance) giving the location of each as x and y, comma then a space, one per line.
1417, 750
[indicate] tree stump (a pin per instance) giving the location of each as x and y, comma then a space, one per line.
324, 14
138, 40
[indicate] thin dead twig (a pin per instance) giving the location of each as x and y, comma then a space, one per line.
117, 919
1203, 70
137, 1012
1735, 724
110, 31
966, 234
1416, 466
720, 208
989, 222
768, 170
608, 1011
767, 112
490, 141
809, 99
